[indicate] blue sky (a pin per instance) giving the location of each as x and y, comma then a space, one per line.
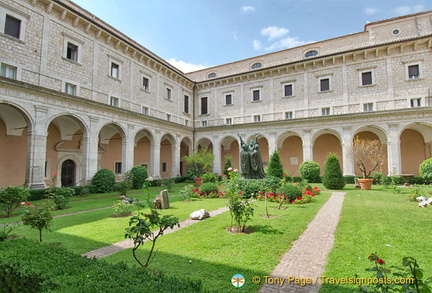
194, 34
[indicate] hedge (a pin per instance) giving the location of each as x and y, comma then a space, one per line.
29, 266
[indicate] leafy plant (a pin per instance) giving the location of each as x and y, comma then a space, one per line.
38, 217
122, 208
378, 177
275, 167
139, 231
368, 154
138, 175
200, 162
290, 190
227, 165
123, 186
425, 169
11, 198
209, 177
188, 192
310, 171
6, 231
104, 180
333, 177
209, 189
241, 211
60, 196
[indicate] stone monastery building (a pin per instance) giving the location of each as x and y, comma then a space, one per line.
77, 95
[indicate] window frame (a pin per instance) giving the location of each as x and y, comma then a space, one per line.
7, 68
368, 107
117, 168
284, 86
7, 10
145, 110
115, 61
286, 115
253, 91
68, 85
256, 118
228, 121
168, 93
186, 107
408, 76
116, 100
68, 39
230, 95
326, 111
362, 81
202, 99
415, 102
320, 85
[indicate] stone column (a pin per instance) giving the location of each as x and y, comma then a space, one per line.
175, 172
217, 157
272, 143
347, 144
393, 150
128, 145
155, 156
307, 146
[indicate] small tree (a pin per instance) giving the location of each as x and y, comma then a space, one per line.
368, 154
139, 230
38, 217
275, 168
200, 162
333, 177
228, 164
11, 197
310, 171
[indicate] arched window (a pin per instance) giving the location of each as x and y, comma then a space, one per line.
211, 75
256, 65
311, 53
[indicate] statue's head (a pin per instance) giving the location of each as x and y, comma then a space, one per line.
245, 146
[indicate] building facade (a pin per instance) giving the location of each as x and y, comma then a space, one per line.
76, 95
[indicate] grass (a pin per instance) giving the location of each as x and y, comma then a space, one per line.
216, 255
378, 221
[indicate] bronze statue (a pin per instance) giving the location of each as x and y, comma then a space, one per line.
250, 159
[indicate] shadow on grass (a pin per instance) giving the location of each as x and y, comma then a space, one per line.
264, 229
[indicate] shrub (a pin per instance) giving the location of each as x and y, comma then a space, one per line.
333, 178
228, 164
377, 177
27, 266
123, 187
37, 194
241, 211
138, 175
425, 169
209, 189
275, 168
104, 181
310, 171
250, 187
209, 177
38, 217
11, 197
199, 163
188, 192
270, 184
122, 208
290, 190
60, 196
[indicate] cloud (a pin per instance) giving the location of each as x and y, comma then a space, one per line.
370, 11
256, 44
184, 66
403, 10
285, 43
247, 9
274, 32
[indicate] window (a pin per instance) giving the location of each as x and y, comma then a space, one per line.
366, 78
228, 121
164, 167
168, 117
212, 75
114, 101
413, 71
70, 89
118, 168
256, 118
204, 105
72, 52
8, 71
256, 95
204, 123
144, 110
115, 70
12, 26
325, 111
168, 93
368, 107
186, 104
289, 115
324, 84
288, 90
186, 122
416, 102
145, 83
228, 99
311, 53
256, 65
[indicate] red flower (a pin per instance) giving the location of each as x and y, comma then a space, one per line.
28, 204
380, 261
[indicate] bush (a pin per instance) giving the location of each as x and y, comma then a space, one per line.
27, 266
275, 168
37, 194
138, 175
270, 184
250, 187
209, 177
290, 190
333, 178
349, 179
209, 189
227, 165
60, 196
11, 197
104, 181
377, 177
122, 208
310, 171
425, 169
82, 190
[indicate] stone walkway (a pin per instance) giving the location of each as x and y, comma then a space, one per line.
308, 254
128, 243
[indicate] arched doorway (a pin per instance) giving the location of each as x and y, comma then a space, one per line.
68, 173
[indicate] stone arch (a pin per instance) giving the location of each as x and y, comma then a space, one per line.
167, 146
373, 133
143, 143
185, 150
15, 125
324, 142
290, 148
111, 137
415, 146
263, 142
229, 147
205, 143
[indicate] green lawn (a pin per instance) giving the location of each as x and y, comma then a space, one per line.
378, 221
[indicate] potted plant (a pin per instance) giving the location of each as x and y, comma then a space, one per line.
368, 154
199, 163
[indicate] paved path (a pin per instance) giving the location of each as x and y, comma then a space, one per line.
308, 254
128, 243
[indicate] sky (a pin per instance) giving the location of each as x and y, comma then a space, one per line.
196, 34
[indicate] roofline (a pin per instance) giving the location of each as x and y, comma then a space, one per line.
396, 18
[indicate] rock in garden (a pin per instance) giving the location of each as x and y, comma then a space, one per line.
165, 199
199, 215
157, 203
